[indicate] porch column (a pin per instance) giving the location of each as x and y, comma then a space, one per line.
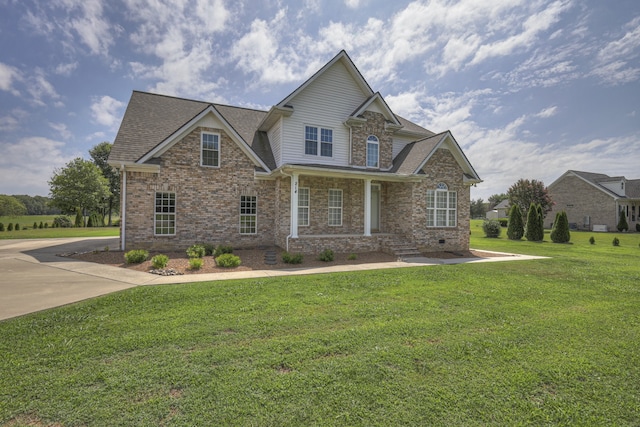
294, 206
367, 207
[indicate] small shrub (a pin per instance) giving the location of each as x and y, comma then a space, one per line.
10, 227
560, 231
41, 226
195, 263
106, 248
622, 224
35, 225
491, 228
221, 250
228, 261
208, 249
1, 226
17, 227
289, 258
196, 251
504, 222
326, 255
46, 225
592, 240
136, 256
62, 222
616, 241
159, 261
352, 257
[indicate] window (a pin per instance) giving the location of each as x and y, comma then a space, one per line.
303, 206
311, 141
335, 207
210, 149
248, 214
372, 152
441, 207
165, 214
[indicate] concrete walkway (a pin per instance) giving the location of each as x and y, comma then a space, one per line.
33, 277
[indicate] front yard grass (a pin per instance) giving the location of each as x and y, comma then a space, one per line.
544, 342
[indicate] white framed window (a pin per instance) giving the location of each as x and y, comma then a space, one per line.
165, 214
373, 150
210, 149
316, 136
303, 206
335, 207
248, 214
441, 207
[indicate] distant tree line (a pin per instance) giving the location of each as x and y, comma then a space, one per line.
22, 204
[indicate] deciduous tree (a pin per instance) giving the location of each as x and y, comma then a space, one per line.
525, 192
10, 206
100, 155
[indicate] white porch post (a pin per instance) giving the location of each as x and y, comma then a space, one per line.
294, 206
367, 207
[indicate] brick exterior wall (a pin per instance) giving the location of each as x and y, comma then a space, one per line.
579, 199
208, 204
207, 198
375, 126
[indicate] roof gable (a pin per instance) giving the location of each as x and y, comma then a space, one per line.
376, 103
603, 182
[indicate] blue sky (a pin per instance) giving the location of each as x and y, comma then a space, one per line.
529, 88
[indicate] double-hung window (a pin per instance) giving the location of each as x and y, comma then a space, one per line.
165, 214
303, 206
248, 214
335, 207
210, 149
373, 149
311, 141
441, 207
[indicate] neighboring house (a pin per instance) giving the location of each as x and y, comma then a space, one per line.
593, 201
330, 166
501, 210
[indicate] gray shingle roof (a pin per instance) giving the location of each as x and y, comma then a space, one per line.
632, 189
414, 154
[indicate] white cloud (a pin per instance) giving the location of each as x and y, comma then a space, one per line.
41, 89
27, 165
616, 60
547, 112
62, 129
107, 111
352, 4
66, 69
8, 75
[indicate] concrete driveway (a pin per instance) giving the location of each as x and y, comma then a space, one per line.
34, 278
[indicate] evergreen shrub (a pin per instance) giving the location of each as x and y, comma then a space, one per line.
534, 230
79, 219
35, 225
222, 249
136, 256
326, 255
41, 226
10, 227
289, 258
622, 224
159, 261
560, 232
592, 240
228, 261
515, 229
1, 226
491, 228
616, 241
17, 227
208, 249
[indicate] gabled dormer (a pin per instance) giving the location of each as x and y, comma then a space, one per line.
616, 184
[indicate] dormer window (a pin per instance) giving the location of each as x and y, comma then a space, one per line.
373, 150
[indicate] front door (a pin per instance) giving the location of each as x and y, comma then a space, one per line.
375, 207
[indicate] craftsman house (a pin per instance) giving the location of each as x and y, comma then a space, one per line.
330, 166
593, 201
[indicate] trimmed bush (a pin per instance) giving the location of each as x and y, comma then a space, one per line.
326, 255
228, 261
10, 227
159, 261
616, 241
622, 224
289, 258
534, 230
46, 225
17, 227
35, 225
196, 251
208, 249
352, 257
62, 222
136, 256
515, 229
195, 263
560, 231
504, 222
1, 226
592, 240
41, 226
222, 249
491, 228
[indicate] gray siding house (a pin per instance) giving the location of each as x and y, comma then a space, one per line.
593, 201
329, 166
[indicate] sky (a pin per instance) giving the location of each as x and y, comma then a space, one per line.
529, 88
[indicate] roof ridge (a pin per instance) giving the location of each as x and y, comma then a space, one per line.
181, 98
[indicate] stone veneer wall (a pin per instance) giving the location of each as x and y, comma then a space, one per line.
207, 198
375, 125
579, 199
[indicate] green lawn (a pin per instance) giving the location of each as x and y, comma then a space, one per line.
28, 232
545, 342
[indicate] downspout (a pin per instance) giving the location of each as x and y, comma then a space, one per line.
123, 207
